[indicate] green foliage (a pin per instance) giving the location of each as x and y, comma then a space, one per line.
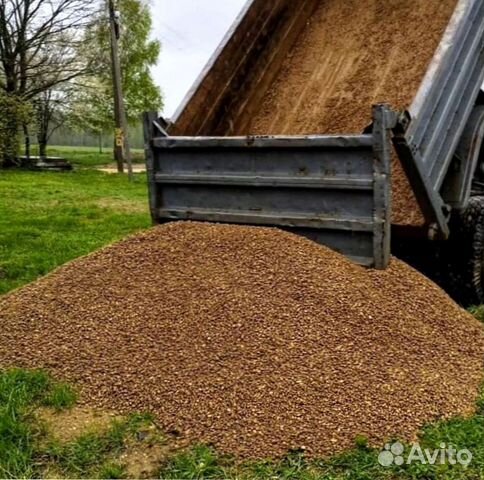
478, 312
13, 112
200, 462
138, 52
361, 441
138, 421
20, 393
293, 466
93, 109
480, 403
60, 397
112, 471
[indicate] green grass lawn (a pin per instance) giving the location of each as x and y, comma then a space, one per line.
47, 219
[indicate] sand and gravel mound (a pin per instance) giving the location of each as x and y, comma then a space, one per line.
351, 55
255, 340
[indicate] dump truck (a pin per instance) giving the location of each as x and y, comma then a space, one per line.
216, 161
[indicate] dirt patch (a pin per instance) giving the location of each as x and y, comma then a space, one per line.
144, 461
68, 425
254, 340
352, 55
52, 474
113, 168
142, 455
148, 450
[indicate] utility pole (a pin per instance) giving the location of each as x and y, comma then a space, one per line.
121, 149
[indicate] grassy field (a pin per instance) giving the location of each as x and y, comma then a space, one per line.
47, 219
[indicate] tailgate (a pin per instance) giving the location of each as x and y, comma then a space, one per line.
332, 189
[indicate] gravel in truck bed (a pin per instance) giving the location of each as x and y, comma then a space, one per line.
251, 339
351, 55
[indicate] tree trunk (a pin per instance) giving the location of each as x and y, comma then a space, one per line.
118, 155
27, 141
43, 128
43, 147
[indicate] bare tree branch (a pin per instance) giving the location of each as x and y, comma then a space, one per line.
39, 42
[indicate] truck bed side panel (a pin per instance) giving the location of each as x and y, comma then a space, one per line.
333, 189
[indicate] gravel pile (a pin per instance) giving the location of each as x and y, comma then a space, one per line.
255, 340
351, 55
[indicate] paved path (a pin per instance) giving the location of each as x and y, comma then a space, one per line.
137, 168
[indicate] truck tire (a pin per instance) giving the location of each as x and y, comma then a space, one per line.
462, 257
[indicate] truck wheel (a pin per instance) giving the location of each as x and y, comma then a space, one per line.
464, 255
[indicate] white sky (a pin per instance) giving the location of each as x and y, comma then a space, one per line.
190, 31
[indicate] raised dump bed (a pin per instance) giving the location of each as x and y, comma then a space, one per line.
302, 71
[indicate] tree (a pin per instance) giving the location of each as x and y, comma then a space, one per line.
39, 42
13, 112
94, 103
92, 108
52, 109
